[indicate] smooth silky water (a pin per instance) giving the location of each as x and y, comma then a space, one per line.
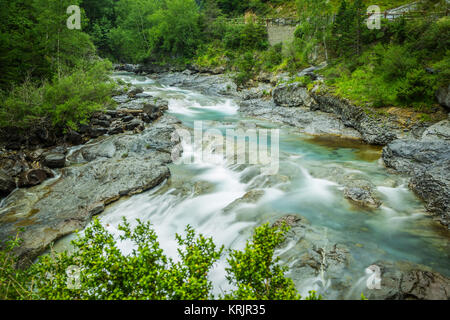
196, 195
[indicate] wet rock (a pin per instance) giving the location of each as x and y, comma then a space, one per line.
33, 177
289, 220
428, 163
292, 95
105, 149
409, 156
373, 130
101, 122
143, 95
313, 256
74, 138
35, 155
83, 190
7, 184
156, 109
54, 160
252, 196
362, 197
409, 281
14, 164
127, 118
96, 131
317, 260
433, 186
134, 91
112, 113
121, 99
133, 124
438, 131
116, 130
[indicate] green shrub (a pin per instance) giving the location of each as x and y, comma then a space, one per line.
394, 61
417, 89
65, 102
245, 37
105, 272
246, 68
13, 282
256, 272
273, 57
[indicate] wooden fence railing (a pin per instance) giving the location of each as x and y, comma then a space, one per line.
293, 21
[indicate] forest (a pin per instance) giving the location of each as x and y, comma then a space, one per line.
40, 57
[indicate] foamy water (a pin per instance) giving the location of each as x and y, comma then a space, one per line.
398, 230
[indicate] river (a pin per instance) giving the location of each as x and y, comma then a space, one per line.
197, 193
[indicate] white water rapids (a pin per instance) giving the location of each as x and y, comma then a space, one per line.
196, 195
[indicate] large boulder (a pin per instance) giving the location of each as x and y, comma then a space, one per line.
311, 122
373, 130
438, 131
292, 95
33, 177
409, 156
433, 186
407, 281
219, 85
55, 160
428, 162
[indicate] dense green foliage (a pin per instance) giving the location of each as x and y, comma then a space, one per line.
105, 272
51, 75
255, 271
35, 42
403, 65
65, 101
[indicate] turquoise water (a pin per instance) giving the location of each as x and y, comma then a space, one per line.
306, 185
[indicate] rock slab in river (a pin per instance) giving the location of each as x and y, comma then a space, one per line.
408, 281
54, 209
428, 162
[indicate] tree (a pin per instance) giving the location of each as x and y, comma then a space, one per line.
347, 29
315, 19
62, 48
175, 29
102, 18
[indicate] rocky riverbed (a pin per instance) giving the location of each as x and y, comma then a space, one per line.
126, 151
318, 112
56, 191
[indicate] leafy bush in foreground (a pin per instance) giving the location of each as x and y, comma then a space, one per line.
106, 273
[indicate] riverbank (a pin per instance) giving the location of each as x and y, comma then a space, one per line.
120, 153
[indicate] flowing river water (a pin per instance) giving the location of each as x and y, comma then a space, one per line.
196, 195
